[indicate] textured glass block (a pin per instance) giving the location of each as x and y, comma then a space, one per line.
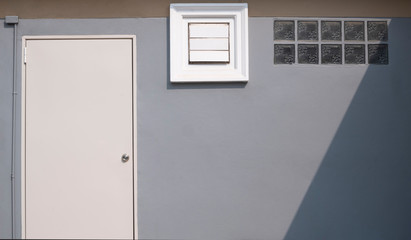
331, 30
354, 31
284, 54
284, 30
308, 53
307, 30
377, 31
331, 54
355, 53
378, 54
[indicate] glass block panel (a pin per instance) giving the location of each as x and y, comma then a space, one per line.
355, 53
378, 54
377, 31
284, 30
331, 54
331, 30
354, 31
307, 30
308, 53
284, 53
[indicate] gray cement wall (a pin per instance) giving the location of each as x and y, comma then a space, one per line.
299, 152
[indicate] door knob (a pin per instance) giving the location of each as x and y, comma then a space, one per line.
125, 157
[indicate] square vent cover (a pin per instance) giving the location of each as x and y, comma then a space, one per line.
209, 42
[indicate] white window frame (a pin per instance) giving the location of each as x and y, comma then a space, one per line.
236, 14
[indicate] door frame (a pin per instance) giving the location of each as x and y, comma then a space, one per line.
23, 117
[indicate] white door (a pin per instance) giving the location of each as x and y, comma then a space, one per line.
78, 123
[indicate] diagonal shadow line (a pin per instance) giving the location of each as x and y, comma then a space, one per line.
362, 187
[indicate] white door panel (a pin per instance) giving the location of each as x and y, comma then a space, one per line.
78, 124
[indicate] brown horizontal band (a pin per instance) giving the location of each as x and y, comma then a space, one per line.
160, 8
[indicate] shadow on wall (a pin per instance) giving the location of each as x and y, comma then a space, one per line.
362, 189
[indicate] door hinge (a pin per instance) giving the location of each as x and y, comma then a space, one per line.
25, 55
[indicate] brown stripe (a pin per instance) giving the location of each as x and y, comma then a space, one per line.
160, 8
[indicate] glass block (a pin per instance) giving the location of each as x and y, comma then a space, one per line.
331, 30
355, 53
354, 31
284, 30
377, 31
307, 30
284, 54
378, 54
331, 54
308, 53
